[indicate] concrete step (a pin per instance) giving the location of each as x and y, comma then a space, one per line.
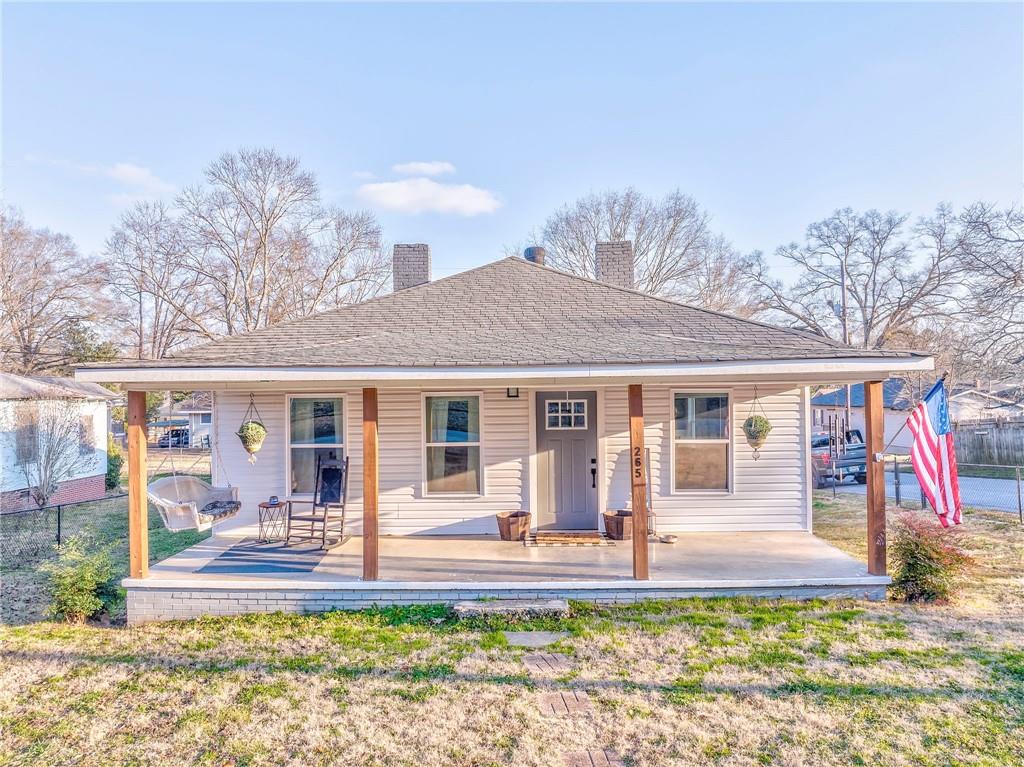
515, 608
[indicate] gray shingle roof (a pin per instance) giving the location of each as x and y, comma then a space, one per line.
511, 313
15, 387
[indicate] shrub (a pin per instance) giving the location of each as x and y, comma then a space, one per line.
78, 578
927, 559
115, 460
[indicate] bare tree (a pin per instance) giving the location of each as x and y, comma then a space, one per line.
864, 277
677, 255
265, 249
53, 445
994, 278
47, 291
155, 293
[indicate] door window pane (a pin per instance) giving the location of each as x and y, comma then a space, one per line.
453, 469
566, 414
702, 466
453, 419
303, 462
317, 421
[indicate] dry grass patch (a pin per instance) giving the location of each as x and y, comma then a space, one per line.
706, 682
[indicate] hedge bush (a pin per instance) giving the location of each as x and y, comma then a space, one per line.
79, 578
115, 460
927, 558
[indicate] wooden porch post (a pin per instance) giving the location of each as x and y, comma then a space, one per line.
875, 421
370, 484
138, 504
638, 481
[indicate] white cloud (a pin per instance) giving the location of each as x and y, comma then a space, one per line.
424, 168
424, 195
141, 180
138, 183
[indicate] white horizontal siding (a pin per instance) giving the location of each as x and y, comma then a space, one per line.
406, 509
403, 507
767, 494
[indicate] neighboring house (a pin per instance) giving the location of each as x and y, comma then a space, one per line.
975, 404
198, 407
511, 387
899, 398
31, 410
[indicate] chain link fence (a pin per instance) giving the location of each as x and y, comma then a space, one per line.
982, 486
30, 536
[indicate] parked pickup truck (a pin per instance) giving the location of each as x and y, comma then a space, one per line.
837, 464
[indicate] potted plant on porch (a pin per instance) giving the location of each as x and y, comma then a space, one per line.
513, 525
619, 524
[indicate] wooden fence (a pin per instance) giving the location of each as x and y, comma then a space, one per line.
992, 441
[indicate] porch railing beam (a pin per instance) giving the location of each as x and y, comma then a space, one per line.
371, 475
138, 504
874, 421
638, 481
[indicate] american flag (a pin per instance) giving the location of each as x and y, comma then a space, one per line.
933, 454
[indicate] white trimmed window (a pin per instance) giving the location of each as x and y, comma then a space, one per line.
86, 430
452, 444
26, 436
700, 441
565, 414
316, 429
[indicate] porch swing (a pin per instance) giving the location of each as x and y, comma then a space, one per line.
186, 502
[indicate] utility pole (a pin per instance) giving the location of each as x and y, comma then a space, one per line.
844, 318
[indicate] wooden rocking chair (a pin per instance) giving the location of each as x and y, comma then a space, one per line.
325, 511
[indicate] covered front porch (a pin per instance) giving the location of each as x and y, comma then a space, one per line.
232, 573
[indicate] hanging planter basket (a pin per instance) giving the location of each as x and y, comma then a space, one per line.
757, 427
252, 432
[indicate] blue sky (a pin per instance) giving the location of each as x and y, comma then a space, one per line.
770, 115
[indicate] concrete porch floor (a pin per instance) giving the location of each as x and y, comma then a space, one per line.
225, 575
695, 557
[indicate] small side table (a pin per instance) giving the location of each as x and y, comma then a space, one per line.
273, 521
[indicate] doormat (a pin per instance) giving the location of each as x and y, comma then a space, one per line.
555, 538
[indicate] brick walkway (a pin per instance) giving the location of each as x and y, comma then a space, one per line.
593, 759
567, 703
544, 663
562, 703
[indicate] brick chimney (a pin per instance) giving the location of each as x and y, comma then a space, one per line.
615, 263
410, 266
535, 254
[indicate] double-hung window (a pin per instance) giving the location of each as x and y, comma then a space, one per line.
26, 436
316, 430
452, 444
700, 441
86, 433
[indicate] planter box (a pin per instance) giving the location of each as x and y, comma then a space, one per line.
513, 525
619, 524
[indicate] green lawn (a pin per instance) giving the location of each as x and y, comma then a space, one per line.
716, 682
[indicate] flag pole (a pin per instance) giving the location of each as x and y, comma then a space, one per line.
900, 430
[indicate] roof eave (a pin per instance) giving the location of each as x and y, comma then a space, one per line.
821, 369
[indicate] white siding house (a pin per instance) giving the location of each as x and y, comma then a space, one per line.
514, 387
31, 410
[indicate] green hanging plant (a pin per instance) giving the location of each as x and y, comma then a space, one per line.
756, 428
252, 432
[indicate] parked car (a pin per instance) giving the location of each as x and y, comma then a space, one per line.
174, 438
836, 463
